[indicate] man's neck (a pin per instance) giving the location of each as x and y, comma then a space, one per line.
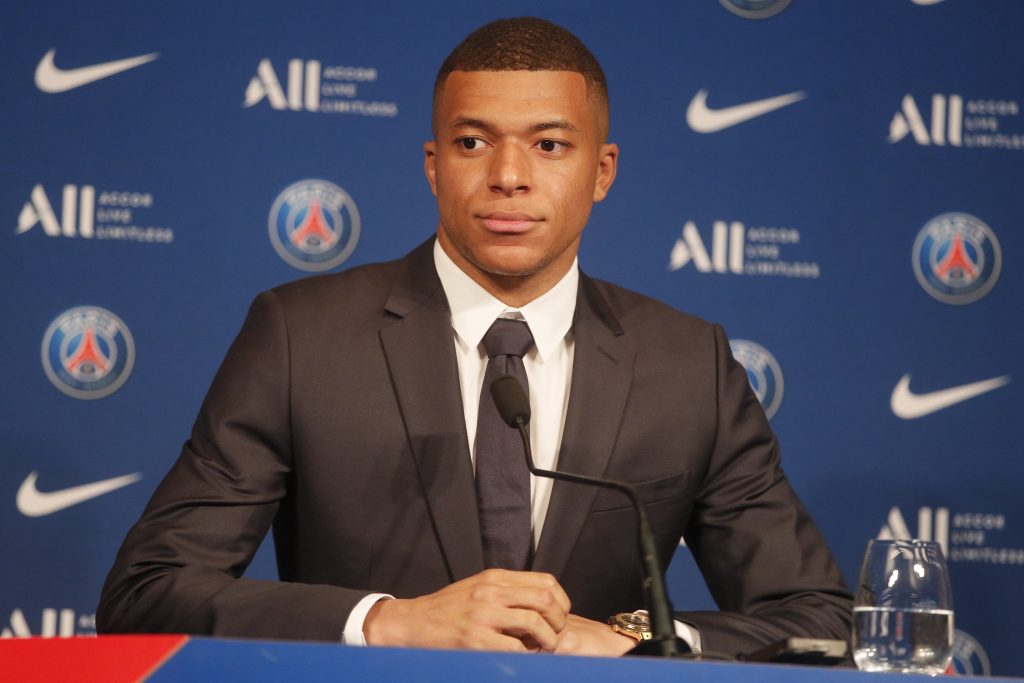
473, 308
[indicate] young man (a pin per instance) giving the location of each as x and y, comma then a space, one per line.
361, 432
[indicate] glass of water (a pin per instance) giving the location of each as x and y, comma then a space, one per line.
903, 612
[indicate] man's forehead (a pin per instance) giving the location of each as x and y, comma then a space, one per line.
521, 100
480, 95
516, 84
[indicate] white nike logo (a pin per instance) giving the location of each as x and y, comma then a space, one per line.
909, 406
50, 78
34, 503
704, 120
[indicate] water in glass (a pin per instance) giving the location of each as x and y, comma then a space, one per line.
906, 640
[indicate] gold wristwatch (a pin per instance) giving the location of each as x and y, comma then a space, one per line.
633, 624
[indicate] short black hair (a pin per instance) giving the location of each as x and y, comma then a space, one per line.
526, 44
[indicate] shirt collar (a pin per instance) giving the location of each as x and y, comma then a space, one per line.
474, 309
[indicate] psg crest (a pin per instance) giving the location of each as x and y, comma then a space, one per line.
755, 9
88, 352
763, 371
957, 258
314, 225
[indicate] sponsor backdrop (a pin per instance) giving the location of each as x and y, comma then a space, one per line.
838, 184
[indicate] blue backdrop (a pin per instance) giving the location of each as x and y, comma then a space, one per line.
838, 184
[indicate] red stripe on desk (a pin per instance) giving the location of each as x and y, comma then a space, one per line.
104, 659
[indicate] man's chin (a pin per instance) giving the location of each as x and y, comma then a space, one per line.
512, 263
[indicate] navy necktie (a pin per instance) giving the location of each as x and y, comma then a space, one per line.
502, 480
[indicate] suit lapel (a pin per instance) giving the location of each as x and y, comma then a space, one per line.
424, 373
601, 379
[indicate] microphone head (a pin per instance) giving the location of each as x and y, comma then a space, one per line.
511, 400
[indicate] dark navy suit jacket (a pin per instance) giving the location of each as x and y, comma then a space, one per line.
336, 418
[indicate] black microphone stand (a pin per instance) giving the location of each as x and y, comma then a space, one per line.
514, 408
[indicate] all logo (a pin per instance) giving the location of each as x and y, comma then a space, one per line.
931, 526
947, 121
968, 537
54, 623
314, 225
39, 211
957, 258
88, 352
952, 121
310, 86
763, 372
110, 215
739, 250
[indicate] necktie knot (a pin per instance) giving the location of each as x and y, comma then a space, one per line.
508, 337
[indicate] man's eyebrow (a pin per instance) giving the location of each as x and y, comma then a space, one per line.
466, 122
555, 124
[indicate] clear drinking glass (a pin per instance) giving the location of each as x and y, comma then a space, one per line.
903, 611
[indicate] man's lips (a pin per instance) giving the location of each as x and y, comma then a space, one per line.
508, 222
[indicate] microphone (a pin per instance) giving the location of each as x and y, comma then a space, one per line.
514, 408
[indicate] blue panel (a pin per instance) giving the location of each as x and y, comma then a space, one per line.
147, 193
225, 660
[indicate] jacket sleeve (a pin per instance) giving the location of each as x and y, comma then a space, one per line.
180, 567
766, 564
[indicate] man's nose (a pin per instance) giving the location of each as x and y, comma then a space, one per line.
510, 170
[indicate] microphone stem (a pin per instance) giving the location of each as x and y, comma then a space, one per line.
663, 631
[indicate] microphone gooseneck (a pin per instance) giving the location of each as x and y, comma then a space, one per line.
514, 408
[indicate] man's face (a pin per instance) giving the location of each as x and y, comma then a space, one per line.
516, 165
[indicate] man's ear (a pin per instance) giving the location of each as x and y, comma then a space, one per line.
430, 164
607, 164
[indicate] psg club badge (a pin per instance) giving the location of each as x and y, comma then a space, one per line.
88, 352
763, 371
755, 9
957, 258
314, 225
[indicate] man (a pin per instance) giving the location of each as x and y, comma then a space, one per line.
345, 412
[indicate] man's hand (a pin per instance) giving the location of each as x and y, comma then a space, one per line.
494, 610
585, 637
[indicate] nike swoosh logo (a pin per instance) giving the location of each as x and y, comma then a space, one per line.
909, 406
34, 503
703, 119
50, 78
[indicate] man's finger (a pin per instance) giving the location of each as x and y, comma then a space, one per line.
541, 601
551, 583
522, 624
539, 580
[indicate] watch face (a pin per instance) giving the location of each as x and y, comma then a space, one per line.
633, 621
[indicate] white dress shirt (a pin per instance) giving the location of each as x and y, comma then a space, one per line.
548, 364
548, 369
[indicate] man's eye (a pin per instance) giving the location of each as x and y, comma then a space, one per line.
551, 146
471, 144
